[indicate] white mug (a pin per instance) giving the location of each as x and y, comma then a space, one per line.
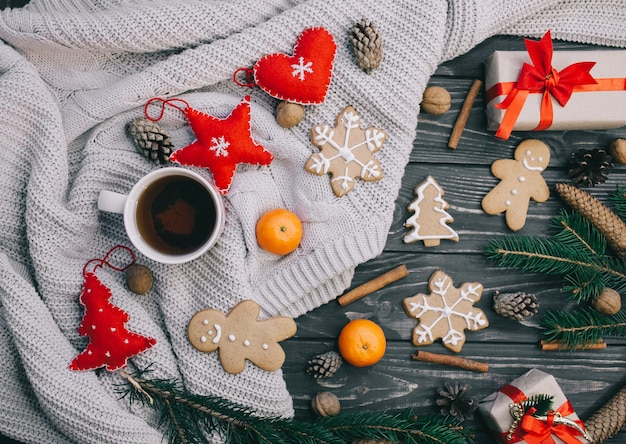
171, 215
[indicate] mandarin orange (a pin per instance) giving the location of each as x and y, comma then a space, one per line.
279, 231
362, 342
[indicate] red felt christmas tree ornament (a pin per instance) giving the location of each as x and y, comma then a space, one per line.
301, 78
110, 342
220, 145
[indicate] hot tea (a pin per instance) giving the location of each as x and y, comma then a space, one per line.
175, 215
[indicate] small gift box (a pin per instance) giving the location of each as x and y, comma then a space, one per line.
514, 412
541, 90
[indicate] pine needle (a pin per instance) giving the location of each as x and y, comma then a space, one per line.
582, 327
189, 418
577, 252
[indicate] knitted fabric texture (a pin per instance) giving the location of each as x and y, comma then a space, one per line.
73, 73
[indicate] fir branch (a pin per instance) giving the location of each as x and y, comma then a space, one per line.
577, 252
618, 199
189, 417
582, 327
399, 427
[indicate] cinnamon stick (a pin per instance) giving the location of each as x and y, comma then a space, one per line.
454, 361
372, 285
557, 345
466, 109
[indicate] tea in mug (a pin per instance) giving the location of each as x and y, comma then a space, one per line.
175, 215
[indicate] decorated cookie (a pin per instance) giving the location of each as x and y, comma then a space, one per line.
303, 77
240, 336
430, 221
521, 181
346, 152
221, 144
446, 312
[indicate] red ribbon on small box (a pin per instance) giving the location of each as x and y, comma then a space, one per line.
542, 78
533, 430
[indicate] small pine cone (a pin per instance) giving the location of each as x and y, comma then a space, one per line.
609, 419
606, 221
367, 44
150, 139
516, 306
324, 365
589, 167
454, 401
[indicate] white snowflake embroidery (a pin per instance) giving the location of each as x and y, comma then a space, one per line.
446, 312
346, 151
220, 146
301, 68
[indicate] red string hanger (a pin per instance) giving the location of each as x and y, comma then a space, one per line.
303, 77
220, 145
110, 343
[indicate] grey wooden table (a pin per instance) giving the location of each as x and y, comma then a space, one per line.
588, 378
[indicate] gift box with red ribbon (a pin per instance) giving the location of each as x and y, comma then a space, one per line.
540, 89
508, 416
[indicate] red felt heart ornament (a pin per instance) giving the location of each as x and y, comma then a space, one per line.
303, 77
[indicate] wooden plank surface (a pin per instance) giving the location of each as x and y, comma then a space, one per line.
588, 378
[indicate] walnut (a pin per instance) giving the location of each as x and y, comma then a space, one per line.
436, 100
289, 114
326, 404
139, 279
607, 302
617, 149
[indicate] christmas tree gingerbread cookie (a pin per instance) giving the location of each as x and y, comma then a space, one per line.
240, 336
446, 312
346, 152
520, 181
430, 220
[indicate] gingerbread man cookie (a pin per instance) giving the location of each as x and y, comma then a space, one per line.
521, 181
346, 152
240, 336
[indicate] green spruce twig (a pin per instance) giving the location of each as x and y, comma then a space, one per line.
188, 418
577, 253
582, 327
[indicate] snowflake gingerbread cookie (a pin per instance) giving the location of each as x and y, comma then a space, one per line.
430, 220
446, 312
346, 152
240, 336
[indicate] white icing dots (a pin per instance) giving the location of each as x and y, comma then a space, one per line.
265, 346
514, 192
203, 339
246, 343
522, 179
231, 338
507, 203
528, 152
205, 322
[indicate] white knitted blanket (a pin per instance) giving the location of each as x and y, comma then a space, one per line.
73, 73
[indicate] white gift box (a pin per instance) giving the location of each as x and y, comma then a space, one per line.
496, 408
585, 110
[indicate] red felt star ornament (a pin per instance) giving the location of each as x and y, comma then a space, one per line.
111, 343
221, 144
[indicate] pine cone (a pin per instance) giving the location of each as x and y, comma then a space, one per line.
454, 401
609, 419
367, 44
515, 305
324, 365
589, 167
150, 139
606, 221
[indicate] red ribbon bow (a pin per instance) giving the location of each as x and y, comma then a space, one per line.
533, 430
537, 431
542, 77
